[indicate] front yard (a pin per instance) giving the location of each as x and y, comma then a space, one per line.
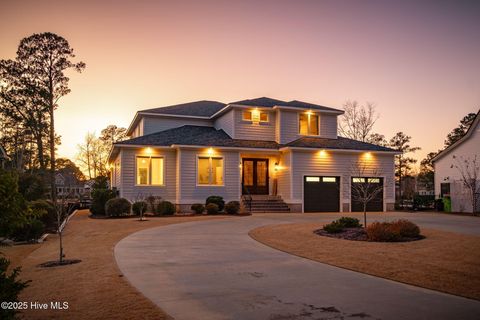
94, 288
443, 261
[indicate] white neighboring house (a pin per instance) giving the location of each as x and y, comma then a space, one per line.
448, 177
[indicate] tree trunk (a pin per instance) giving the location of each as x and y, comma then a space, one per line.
41, 158
365, 215
52, 154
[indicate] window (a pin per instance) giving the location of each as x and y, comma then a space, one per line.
313, 179
308, 124
210, 171
149, 171
329, 179
255, 116
358, 180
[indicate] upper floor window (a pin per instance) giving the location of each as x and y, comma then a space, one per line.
308, 124
150, 171
210, 171
255, 116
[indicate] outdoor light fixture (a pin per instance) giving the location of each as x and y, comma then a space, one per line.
148, 150
276, 166
322, 153
210, 151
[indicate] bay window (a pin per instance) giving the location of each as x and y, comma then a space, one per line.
150, 171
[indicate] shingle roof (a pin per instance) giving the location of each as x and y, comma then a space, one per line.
209, 136
202, 108
339, 143
269, 102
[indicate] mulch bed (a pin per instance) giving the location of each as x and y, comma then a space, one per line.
358, 234
57, 263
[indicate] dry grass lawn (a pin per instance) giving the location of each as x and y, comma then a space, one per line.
444, 261
94, 288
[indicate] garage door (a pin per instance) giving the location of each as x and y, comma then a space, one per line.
367, 186
321, 194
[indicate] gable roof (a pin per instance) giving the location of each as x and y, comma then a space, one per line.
189, 135
203, 108
467, 135
270, 103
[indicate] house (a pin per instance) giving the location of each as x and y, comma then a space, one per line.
449, 163
68, 185
265, 149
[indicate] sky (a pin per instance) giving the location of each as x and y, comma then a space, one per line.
417, 61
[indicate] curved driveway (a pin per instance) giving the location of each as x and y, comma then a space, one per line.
214, 270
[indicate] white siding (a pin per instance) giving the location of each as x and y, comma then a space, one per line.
288, 126
226, 122
129, 190
250, 131
191, 193
138, 130
328, 126
157, 124
284, 177
445, 170
341, 165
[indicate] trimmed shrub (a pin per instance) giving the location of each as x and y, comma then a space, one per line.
118, 207
405, 228
139, 207
392, 231
232, 207
29, 231
198, 208
212, 208
165, 208
46, 212
99, 200
349, 222
217, 200
333, 227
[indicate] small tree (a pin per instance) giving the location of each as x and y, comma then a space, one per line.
140, 205
469, 169
365, 190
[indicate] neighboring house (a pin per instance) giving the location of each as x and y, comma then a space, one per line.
266, 148
448, 177
3, 157
69, 186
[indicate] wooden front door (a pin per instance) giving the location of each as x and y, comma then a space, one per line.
255, 176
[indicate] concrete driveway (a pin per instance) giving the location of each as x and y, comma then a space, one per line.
214, 270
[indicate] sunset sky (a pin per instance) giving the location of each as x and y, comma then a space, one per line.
418, 61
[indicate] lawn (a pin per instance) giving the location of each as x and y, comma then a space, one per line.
94, 288
444, 261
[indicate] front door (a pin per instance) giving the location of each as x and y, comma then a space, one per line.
255, 176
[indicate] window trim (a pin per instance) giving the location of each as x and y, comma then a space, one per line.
308, 125
198, 156
149, 171
260, 116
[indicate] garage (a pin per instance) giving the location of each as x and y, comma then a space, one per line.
321, 194
367, 186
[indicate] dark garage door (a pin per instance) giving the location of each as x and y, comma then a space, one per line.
321, 194
364, 184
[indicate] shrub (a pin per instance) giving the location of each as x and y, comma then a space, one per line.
198, 208
212, 208
29, 231
333, 227
165, 208
153, 202
139, 207
10, 287
31, 186
392, 231
45, 211
349, 222
99, 200
217, 200
117, 207
12, 203
232, 207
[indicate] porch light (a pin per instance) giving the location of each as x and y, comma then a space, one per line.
322, 153
210, 151
148, 151
367, 155
276, 167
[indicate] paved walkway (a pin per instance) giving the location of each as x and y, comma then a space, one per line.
214, 270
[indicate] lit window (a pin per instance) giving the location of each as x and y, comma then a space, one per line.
329, 179
150, 171
312, 179
373, 180
308, 124
210, 171
257, 117
358, 180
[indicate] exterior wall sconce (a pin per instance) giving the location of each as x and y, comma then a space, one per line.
210, 151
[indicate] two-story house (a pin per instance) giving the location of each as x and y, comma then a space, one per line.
260, 147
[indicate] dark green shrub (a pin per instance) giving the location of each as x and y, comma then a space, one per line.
217, 200
12, 204
165, 208
46, 211
29, 231
333, 227
349, 222
99, 200
10, 288
32, 186
139, 207
198, 208
212, 208
232, 207
118, 207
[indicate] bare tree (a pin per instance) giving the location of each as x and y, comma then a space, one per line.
358, 120
366, 188
469, 169
140, 199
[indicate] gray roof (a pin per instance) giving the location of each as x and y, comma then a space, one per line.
207, 108
209, 136
202, 108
